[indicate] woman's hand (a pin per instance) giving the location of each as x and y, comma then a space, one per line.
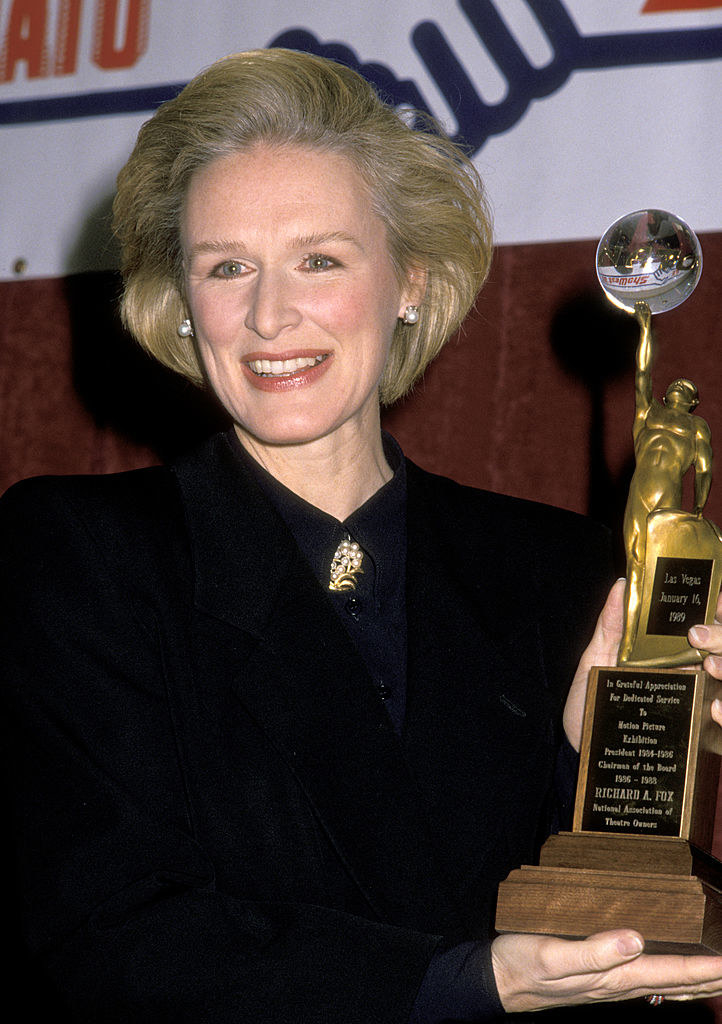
709, 638
536, 972
602, 650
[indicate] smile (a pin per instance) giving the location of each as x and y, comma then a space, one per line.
284, 367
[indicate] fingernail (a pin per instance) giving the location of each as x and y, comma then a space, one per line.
630, 945
699, 635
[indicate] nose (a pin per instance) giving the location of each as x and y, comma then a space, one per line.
271, 307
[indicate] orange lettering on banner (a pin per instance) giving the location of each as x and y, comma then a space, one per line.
25, 39
657, 6
106, 54
66, 48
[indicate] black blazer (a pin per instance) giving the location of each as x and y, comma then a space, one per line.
214, 818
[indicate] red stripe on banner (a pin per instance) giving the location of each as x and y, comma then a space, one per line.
25, 40
66, 50
108, 51
656, 6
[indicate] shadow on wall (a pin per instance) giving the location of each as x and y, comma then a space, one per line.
596, 344
123, 388
95, 244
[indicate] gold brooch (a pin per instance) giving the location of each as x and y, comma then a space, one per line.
346, 566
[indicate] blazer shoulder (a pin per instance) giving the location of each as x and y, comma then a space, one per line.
557, 558
148, 483
485, 510
148, 493
128, 519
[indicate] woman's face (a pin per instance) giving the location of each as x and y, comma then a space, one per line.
291, 291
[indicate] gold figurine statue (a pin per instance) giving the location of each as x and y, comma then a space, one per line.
669, 439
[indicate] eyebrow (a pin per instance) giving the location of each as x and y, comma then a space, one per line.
313, 241
319, 239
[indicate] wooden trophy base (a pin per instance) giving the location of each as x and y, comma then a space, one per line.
668, 891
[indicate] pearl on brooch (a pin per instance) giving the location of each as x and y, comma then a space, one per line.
345, 566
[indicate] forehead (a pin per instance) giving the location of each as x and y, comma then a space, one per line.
281, 189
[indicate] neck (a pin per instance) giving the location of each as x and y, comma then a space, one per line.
335, 476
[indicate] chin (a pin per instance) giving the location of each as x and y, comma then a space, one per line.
285, 433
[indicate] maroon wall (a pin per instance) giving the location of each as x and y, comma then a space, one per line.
534, 397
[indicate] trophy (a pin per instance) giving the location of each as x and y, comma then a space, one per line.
638, 854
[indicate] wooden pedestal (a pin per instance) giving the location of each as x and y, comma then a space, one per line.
665, 889
643, 818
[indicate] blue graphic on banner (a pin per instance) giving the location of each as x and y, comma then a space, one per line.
476, 119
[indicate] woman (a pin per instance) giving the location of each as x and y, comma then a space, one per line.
270, 709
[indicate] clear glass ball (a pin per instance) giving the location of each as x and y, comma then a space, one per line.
649, 256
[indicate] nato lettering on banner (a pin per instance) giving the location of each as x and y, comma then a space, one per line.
27, 39
80, 76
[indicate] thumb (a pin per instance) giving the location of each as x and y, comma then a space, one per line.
602, 650
605, 950
608, 631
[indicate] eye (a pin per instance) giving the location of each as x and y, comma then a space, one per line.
317, 261
229, 269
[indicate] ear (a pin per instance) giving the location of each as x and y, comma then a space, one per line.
414, 288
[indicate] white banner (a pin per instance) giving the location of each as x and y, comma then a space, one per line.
577, 111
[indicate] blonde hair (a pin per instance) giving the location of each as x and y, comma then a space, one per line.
423, 187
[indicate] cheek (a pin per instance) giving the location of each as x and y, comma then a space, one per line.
217, 360
368, 311
215, 329
210, 312
335, 310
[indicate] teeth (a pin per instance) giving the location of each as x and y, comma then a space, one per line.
283, 367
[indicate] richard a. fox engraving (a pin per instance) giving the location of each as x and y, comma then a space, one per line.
637, 754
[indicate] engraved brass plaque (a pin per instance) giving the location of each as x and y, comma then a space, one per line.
636, 753
680, 595
680, 583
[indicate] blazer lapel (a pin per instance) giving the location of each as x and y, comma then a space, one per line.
478, 643
478, 710
303, 681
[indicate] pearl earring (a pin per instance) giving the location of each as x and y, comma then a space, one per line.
185, 329
411, 315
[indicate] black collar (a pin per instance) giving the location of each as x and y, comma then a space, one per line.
378, 526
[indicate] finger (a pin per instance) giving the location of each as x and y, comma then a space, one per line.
716, 711
602, 650
707, 638
534, 972
594, 955
608, 632
617, 954
608, 966
680, 977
